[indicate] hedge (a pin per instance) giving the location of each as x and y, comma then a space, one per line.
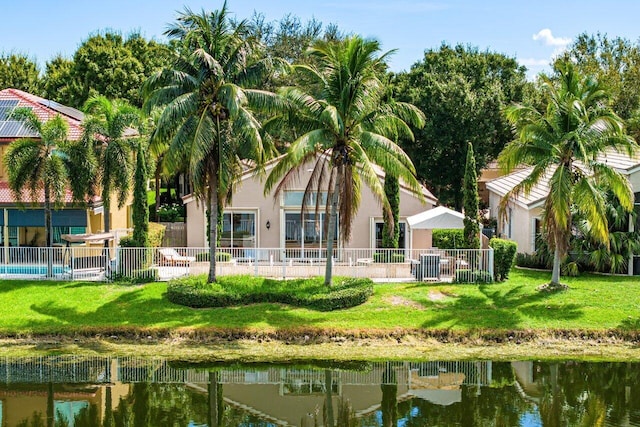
243, 290
504, 254
446, 238
220, 256
388, 257
464, 275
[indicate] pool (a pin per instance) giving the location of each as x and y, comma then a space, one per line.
28, 269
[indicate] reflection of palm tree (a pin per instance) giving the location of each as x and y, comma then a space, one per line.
328, 401
216, 408
50, 409
141, 405
389, 405
108, 408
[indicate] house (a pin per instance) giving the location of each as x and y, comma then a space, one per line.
254, 220
521, 221
24, 225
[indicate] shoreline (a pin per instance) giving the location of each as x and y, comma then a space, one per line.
283, 346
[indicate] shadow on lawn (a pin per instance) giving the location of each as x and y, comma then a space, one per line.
135, 309
496, 309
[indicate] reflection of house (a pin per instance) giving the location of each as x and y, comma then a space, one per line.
255, 220
26, 228
522, 217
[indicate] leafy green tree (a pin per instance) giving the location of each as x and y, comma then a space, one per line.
391, 225
46, 164
461, 91
209, 103
346, 129
19, 72
58, 82
471, 201
110, 126
563, 144
140, 205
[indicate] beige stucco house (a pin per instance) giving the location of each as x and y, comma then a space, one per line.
521, 221
254, 220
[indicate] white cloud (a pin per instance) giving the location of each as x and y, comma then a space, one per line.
532, 62
548, 38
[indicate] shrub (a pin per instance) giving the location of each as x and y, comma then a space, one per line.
504, 253
156, 234
448, 239
242, 290
172, 212
220, 256
469, 276
136, 277
388, 256
530, 261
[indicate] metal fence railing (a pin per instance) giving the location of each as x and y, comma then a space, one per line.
103, 264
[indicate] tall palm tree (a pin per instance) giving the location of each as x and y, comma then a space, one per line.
111, 127
346, 128
50, 164
208, 107
564, 143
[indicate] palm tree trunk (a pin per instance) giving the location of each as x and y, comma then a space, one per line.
47, 231
158, 183
328, 272
213, 222
328, 384
555, 274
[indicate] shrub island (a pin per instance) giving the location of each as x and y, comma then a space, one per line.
228, 291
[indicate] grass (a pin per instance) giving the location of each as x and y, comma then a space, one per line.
593, 304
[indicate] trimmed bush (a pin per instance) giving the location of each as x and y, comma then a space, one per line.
531, 261
138, 277
156, 234
387, 257
220, 256
243, 290
504, 254
448, 239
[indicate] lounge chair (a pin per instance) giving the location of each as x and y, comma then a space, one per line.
172, 257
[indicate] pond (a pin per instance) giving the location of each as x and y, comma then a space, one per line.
129, 391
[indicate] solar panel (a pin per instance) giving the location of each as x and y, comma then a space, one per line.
8, 102
67, 111
15, 129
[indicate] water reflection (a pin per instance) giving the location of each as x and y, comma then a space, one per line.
114, 392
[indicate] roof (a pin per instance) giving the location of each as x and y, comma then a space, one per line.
622, 162
438, 217
44, 109
7, 197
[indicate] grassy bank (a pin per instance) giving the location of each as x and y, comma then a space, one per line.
594, 304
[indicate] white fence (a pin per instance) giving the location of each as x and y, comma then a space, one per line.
102, 264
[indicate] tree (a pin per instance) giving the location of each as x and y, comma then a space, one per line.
19, 72
105, 64
391, 225
209, 104
140, 206
346, 129
564, 144
109, 126
471, 201
50, 164
462, 91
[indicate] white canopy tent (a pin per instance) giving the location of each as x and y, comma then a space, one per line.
438, 217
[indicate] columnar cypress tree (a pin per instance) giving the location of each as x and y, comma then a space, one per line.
392, 192
470, 199
140, 205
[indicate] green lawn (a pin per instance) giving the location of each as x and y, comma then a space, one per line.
593, 302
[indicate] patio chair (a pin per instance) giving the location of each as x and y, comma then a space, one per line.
249, 256
172, 257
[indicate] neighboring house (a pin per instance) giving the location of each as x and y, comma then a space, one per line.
521, 221
255, 220
24, 225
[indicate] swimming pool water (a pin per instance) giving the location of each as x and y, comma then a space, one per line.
26, 269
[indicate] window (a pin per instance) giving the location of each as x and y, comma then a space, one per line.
402, 242
238, 230
59, 231
294, 198
310, 234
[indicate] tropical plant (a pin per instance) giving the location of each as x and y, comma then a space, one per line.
110, 127
140, 209
50, 164
564, 143
208, 107
346, 129
471, 201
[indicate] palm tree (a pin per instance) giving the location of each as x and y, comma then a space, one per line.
50, 164
110, 127
564, 143
208, 107
347, 127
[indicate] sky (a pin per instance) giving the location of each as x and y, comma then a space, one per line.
530, 31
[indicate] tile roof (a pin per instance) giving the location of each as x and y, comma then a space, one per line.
622, 162
45, 109
7, 196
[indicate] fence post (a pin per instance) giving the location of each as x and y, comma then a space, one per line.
491, 264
